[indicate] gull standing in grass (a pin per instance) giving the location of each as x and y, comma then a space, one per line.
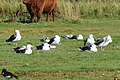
14, 37
102, 42
89, 41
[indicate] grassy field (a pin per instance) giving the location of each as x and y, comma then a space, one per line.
65, 62
67, 9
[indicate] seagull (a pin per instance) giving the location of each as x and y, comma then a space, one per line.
45, 46
77, 37
8, 75
25, 49
19, 48
67, 36
54, 40
45, 39
89, 41
89, 48
102, 42
14, 37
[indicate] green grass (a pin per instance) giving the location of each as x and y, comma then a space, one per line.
65, 62
66, 9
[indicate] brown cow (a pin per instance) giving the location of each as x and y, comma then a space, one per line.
37, 7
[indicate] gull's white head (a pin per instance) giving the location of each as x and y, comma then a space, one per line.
29, 46
57, 36
17, 31
80, 36
90, 35
109, 39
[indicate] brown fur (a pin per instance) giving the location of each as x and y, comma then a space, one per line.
37, 7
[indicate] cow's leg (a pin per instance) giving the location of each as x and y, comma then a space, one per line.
40, 11
48, 17
54, 13
39, 18
32, 18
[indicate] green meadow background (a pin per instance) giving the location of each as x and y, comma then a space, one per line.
67, 9
66, 62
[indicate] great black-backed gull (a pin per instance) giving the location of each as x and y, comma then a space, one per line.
45, 46
103, 41
67, 36
77, 37
8, 75
55, 40
19, 48
45, 39
89, 48
25, 49
74, 37
14, 37
89, 41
